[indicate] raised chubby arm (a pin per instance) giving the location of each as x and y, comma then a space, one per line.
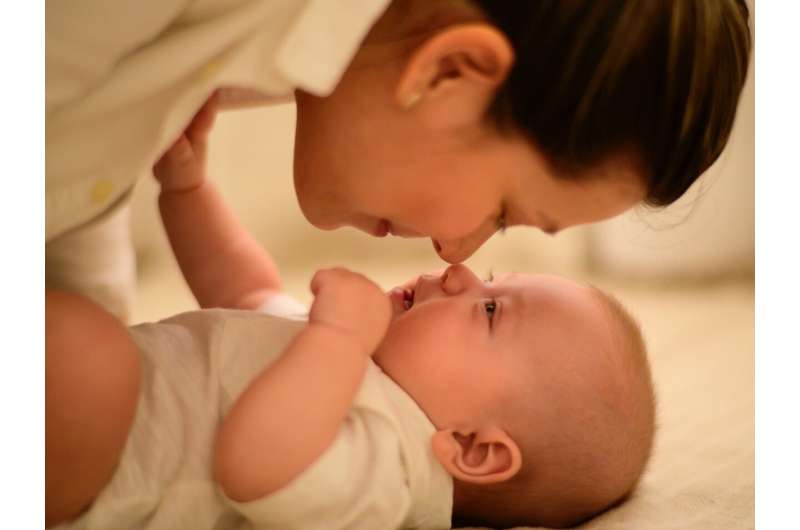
292, 411
222, 263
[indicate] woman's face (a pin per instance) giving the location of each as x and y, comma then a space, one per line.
389, 171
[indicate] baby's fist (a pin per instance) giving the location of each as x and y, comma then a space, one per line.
183, 166
351, 304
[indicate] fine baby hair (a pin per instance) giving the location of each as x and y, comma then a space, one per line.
587, 452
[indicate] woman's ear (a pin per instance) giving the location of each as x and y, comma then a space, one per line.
482, 456
452, 77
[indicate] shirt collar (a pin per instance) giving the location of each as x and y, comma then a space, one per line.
322, 41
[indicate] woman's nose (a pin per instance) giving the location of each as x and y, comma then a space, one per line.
457, 250
457, 278
454, 251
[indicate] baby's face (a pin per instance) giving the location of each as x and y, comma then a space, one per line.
461, 347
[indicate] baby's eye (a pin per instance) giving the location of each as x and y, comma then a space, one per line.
490, 306
500, 223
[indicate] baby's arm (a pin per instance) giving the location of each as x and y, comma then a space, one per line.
222, 263
293, 410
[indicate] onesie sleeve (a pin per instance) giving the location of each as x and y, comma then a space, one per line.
358, 483
283, 305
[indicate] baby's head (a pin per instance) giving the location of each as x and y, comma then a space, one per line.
539, 389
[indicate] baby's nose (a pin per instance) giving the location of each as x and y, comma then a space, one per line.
457, 279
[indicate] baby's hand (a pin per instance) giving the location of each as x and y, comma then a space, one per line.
183, 166
351, 304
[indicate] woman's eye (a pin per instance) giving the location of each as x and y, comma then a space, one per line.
501, 220
490, 306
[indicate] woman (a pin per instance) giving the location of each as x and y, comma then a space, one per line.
447, 119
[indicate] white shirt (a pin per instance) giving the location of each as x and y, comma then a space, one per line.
379, 473
125, 78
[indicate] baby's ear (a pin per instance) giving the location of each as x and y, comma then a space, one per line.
485, 455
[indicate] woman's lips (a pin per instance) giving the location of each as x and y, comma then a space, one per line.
383, 228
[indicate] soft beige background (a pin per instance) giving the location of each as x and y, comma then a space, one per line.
686, 272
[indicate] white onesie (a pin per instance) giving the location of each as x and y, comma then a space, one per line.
379, 473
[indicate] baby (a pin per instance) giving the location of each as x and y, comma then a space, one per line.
525, 400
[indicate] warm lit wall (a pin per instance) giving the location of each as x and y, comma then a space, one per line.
708, 233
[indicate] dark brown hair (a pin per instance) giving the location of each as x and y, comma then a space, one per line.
592, 78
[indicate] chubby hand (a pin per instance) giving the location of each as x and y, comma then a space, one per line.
351, 304
183, 166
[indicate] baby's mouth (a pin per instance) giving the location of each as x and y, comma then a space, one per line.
408, 298
402, 300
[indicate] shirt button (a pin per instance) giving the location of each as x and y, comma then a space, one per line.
101, 191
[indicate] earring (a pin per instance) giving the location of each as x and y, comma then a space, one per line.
412, 100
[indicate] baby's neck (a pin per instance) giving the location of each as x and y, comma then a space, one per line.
466, 498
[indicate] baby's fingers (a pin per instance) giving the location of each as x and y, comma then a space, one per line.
182, 167
179, 168
327, 277
201, 124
